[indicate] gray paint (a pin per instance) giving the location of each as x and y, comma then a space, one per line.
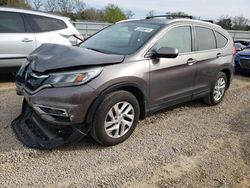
64, 57
164, 82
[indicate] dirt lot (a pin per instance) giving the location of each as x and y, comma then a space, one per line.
191, 145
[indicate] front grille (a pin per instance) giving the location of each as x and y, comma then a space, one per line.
30, 82
26, 79
245, 63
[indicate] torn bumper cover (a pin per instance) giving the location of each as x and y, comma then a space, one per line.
34, 132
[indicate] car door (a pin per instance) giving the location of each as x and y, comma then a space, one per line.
16, 40
172, 79
49, 30
208, 59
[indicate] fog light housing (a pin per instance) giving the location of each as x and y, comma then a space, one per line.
51, 111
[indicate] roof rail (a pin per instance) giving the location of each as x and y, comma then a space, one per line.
210, 21
170, 16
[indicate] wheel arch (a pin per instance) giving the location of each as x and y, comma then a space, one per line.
229, 76
133, 88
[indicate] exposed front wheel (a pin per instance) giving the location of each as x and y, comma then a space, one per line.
218, 90
115, 118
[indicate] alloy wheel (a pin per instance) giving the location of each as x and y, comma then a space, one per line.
119, 119
219, 89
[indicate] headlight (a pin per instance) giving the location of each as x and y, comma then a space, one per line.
72, 78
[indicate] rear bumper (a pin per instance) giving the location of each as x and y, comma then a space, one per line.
34, 132
239, 69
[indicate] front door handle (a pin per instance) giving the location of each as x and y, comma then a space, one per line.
191, 61
218, 55
27, 40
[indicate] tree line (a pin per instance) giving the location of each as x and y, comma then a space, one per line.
76, 10
234, 23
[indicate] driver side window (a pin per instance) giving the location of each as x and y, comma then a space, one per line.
178, 37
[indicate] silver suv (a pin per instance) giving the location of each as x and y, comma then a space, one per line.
22, 31
118, 76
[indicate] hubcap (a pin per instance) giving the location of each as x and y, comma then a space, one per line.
219, 89
119, 119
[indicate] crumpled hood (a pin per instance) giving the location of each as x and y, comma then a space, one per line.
53, 56
245, 52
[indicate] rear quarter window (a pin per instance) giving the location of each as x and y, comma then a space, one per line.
205, 39
44, 24
221, 40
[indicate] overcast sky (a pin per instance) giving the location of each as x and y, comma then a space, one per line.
207, 9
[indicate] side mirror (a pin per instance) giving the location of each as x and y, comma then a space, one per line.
164, 52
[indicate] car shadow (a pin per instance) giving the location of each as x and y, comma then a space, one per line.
241, 125
11, 143
242, 76
88, 143
180, 107
7, 78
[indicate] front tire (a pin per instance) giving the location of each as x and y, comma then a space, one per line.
115, 118
218, 90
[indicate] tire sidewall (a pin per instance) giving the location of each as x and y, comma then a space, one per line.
220, 75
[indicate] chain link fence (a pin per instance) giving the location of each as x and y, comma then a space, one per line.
90, 28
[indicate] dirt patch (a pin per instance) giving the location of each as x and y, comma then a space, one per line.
191, 145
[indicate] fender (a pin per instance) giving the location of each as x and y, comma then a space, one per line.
144, 107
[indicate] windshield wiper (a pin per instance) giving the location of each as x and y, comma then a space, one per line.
101, 51
97, 50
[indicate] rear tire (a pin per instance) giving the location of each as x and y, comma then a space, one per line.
115, 118
218, 90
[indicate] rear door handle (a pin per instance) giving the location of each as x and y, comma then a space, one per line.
218, 55
27, 40
191, 61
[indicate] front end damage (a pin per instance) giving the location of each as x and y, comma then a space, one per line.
57, 97
34, 132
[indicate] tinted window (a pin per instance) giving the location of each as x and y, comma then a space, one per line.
178, 37
221, 40
205, 39
123, 38
43, 24
11, 23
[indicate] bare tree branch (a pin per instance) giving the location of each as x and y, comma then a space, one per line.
51, 5
79, 5
129, 14
37, 4
66, 6
150, 13
240, 22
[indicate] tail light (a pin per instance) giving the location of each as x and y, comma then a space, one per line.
234, 50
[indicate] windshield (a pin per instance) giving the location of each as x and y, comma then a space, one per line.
121, 38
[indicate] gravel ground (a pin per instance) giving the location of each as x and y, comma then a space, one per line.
191, 145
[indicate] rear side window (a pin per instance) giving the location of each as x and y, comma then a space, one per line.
44, 24
11, 23
221, 40
205, 39
178, 37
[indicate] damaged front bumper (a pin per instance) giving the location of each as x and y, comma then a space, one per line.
35, 132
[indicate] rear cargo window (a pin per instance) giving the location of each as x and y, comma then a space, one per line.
205, 39
221, 40
43, 24
11, 23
